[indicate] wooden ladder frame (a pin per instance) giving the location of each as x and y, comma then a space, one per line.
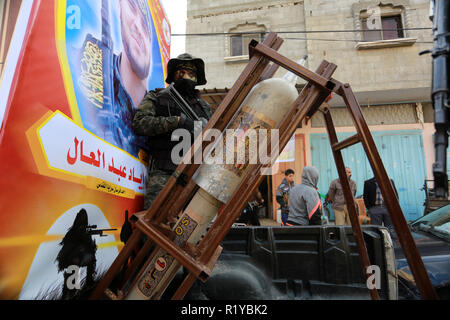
156, 222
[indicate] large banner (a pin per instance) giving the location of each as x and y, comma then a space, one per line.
71, 166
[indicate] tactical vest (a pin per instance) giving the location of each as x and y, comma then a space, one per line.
161, 146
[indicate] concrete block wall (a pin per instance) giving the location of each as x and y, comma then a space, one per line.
223, 16
366, 70
372, 69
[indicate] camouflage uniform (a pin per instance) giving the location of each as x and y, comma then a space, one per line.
156, 118
157, 179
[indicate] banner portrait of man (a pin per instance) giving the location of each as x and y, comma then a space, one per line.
114, 59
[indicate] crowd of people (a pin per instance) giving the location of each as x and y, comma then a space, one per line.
300, 204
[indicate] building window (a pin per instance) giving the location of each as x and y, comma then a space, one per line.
236, 46
386, 28
239, 43
382, 24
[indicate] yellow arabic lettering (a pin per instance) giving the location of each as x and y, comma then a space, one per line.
91, 78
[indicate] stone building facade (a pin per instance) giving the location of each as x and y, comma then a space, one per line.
376, 46
223, 18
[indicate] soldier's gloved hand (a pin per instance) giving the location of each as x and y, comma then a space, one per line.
186, 123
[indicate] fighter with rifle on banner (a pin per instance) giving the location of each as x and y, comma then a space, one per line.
78, 249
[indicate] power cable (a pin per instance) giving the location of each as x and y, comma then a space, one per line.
288, 32
342, 40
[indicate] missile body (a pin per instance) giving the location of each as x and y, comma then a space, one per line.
263, 108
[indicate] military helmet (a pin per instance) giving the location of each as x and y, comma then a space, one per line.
186, 60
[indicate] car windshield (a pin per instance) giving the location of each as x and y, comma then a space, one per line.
436, 223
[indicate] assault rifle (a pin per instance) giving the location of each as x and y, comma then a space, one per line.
184, 106
92, 230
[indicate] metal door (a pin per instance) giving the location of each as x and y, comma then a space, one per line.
403, 157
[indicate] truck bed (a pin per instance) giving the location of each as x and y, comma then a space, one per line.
311, 262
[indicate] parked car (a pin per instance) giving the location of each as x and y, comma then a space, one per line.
431, 234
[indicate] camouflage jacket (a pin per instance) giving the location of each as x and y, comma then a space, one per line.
156, 118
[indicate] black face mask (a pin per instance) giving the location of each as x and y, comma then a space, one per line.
185, 87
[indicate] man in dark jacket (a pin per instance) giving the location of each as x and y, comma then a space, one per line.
282, 196
249, 215
373, 199
78, 249
158, 116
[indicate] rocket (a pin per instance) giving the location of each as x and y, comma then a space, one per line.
263, 109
